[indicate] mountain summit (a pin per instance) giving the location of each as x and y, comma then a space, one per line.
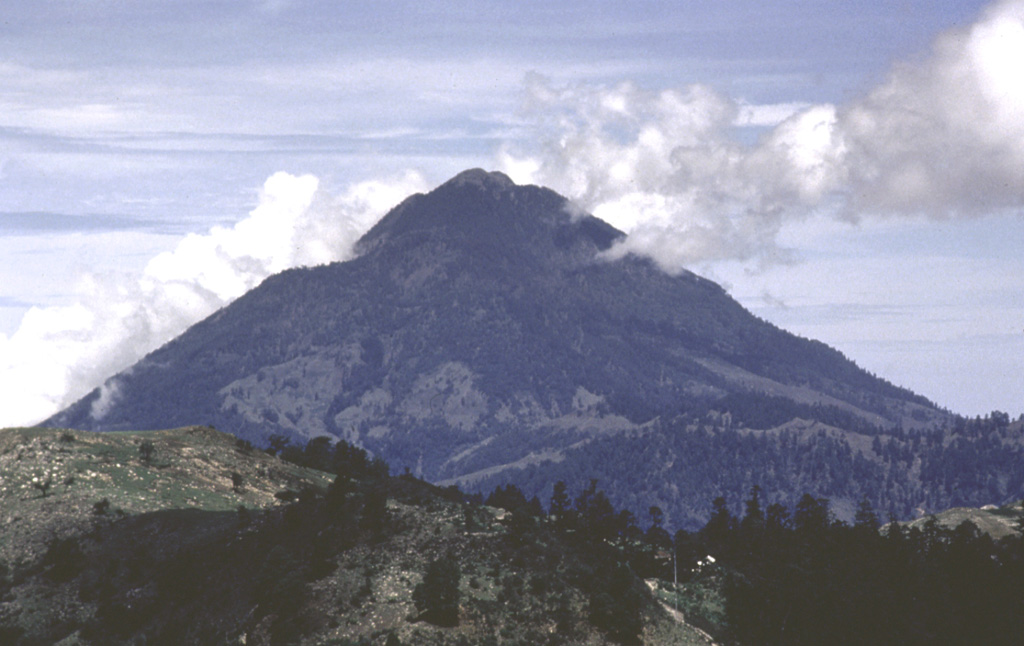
488, 218
481, 336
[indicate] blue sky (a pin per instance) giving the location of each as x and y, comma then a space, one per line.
850, 171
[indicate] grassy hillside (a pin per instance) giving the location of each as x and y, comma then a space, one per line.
191, 537
54, 483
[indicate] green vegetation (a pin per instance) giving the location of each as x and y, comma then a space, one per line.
146, 451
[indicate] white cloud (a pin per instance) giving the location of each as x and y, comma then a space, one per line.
942, 136
59, 353
664, 167
110, 391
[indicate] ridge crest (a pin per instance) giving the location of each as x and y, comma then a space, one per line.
482, 178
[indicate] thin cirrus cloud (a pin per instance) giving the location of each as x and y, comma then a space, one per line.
31, 223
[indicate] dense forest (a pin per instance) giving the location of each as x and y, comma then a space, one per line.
802, 577
699, 457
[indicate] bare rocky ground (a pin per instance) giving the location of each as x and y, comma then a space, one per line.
53, 482
997, 522
60, 485
508, 596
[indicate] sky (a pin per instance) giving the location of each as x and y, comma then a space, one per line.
852, 172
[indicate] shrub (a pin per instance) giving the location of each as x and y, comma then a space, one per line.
64, 558
146, 451
43, 485
437, 597
615, 605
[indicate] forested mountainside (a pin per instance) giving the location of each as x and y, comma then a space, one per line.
483, 336
902, 474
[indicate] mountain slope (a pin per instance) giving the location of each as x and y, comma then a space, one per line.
173, 561
58, 483
480, 332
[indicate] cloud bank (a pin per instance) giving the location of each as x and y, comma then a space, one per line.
58, 354
942, 137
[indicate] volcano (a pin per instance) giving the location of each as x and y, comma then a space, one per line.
484, 334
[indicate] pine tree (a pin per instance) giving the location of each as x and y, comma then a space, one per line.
437, 597
561, 507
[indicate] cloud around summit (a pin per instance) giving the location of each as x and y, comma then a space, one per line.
941, 137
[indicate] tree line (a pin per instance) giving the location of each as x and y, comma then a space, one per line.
801, 576
789, 575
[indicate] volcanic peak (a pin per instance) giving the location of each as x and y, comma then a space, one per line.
483, 208
479, 177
